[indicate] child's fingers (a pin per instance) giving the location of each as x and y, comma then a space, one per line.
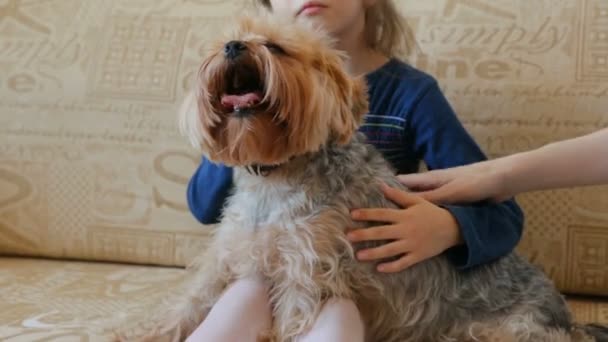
399, 265
443, 195
376, 215
402, 198
420, 181
385, 251
373, 234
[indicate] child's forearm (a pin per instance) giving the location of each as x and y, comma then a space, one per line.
575, 162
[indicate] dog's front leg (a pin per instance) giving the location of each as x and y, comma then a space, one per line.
295, 309
311, 264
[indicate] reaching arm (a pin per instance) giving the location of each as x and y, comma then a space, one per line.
576, 162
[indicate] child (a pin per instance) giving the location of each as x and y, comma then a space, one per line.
409, 121
573, 162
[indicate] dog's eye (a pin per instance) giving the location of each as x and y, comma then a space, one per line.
275, 48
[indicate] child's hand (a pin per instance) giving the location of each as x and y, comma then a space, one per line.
470, 183
419, 231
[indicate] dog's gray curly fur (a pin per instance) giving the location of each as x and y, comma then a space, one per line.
431, 301
289, 227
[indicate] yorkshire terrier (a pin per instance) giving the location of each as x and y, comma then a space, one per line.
274, 101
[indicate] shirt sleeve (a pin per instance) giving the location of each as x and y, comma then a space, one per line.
489, 230
207, 191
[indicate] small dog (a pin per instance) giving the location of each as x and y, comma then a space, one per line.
274, 101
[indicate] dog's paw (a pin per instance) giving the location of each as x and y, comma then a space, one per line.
267, 336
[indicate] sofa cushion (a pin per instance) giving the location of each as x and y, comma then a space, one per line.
92, 166
77, 301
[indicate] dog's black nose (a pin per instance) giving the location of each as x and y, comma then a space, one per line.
234, 49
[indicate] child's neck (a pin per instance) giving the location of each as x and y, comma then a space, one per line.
362, 59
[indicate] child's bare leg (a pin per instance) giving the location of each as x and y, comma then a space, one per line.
338, 321
240, 315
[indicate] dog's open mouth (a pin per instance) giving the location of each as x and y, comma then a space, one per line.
244, 90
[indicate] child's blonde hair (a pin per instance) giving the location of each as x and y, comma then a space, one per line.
385, 28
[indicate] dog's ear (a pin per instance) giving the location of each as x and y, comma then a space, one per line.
188, 119
359, 96
350, 94
355, 106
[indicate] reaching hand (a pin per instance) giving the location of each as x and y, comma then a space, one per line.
462, 184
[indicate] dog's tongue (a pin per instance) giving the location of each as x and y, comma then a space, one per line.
241, 101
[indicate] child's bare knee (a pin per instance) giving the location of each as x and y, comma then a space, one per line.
251, 288
343, 307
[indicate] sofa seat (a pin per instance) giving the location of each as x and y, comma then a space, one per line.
46, 300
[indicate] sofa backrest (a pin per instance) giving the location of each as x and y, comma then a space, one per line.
92, 165
521, 74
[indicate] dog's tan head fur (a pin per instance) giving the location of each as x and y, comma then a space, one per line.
270, 90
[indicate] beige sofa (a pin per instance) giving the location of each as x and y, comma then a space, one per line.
93, 219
